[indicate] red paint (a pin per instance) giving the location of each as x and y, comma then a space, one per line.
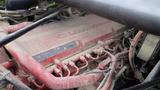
8, 64
80, 46
38, 71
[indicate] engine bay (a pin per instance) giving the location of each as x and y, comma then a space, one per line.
64, 45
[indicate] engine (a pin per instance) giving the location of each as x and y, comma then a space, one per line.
79, 45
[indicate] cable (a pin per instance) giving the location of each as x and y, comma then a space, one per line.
25, 30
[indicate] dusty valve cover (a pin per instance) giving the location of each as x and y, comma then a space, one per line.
64, 38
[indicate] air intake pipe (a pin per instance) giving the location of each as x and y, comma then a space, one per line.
141, 14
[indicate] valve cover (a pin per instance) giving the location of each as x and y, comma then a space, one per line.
61, 39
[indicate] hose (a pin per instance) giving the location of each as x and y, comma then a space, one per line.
28, 64
154, 73
7, 39
145, 85
132, 54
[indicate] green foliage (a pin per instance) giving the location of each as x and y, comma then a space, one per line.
2, 2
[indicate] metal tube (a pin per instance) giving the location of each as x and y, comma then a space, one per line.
142, 14
7, 75
16, 82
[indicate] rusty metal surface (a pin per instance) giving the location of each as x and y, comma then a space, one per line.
84, 29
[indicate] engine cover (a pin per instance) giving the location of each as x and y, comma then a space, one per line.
61, 39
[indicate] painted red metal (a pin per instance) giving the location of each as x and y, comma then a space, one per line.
38, 71
23, 50
84, 31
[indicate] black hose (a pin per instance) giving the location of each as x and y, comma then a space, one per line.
145, 85
154, 73
19, 33
48, 12
134, 13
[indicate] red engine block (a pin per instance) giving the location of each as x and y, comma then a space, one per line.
65, 48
